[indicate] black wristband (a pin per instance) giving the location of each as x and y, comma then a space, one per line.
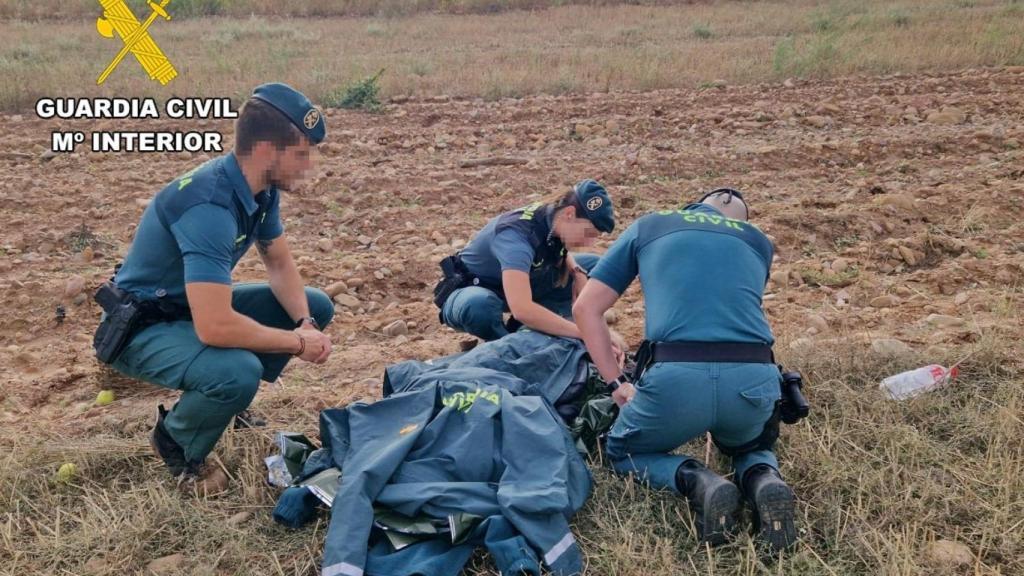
615, 384
310, 319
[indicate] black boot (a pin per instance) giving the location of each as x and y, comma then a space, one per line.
773, 506
165, 447
713, 499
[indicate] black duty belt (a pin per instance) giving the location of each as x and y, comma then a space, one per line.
738, 352
742, 352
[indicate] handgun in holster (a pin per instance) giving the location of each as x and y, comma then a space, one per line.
122, 317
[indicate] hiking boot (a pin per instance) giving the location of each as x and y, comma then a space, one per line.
248, 419
165, 447
713, 499
202, 480
774, 508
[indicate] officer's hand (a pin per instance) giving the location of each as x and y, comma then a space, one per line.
624, 394
318, 345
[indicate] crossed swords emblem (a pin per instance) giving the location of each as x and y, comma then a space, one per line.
118, 17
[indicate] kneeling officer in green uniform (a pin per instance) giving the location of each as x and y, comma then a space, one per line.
172, 316
708, 362
520, 263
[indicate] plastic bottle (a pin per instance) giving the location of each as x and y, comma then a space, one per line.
909, 384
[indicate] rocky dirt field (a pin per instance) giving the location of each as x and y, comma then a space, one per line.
895, 204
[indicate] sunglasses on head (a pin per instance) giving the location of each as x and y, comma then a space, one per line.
732, 192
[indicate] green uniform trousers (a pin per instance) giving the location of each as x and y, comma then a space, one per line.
676, 402
216, 383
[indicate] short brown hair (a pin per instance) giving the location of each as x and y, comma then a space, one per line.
261, 122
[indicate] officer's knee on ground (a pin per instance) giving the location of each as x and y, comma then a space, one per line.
320, 306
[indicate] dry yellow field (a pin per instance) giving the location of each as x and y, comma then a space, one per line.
571, 49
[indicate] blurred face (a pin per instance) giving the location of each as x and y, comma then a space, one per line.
576, 233
288, 167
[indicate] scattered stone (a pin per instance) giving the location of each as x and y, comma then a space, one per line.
904, 201
907, 255
611, 316
47, 155
75, 285
947, 117
599, 142
817, 322
166, 565
239, 519
944, 321
819, 121
87, 254
396, 328
346, 300
840, 265
780, 278
890, 347
336, 288
961, 298
364, 239
325, 244
886, 301
947, 555
438, 238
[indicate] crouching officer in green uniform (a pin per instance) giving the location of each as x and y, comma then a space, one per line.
172, 316
519, 262
708, 360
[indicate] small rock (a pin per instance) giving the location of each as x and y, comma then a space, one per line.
890, 347
364, 239
907, 255
325, 244
818, 121
396, 328
886, 301
904, 201
400, 339
840, 265
166, 565
944, 321
611, 316
239, 519
346, 300
612, 126
79, 300
948, 555
336, 288
87, 254
961, 298
780, 278
24, 300
947, 117
74, 286
47, 155
438, 238
600, 142
96, 565
817, 322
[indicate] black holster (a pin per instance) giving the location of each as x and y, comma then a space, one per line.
454, 276
121, 320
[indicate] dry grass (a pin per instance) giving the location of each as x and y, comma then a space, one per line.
877, 481
559, 50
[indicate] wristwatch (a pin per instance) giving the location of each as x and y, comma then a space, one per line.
614, 384
310, 319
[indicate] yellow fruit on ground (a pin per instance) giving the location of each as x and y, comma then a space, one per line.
104, 397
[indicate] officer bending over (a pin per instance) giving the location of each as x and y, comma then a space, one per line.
708, 359
519, 262
196, 332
